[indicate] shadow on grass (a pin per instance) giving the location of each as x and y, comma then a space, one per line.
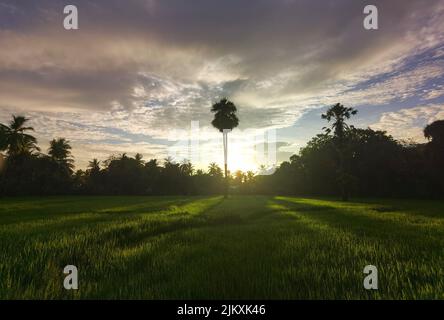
361, 224
219, 214
240, 247
256, 252
222, 253
103, 214
30, 210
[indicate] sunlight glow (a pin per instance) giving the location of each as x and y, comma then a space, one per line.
241, 158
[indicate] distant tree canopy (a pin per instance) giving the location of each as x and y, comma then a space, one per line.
342, 160
435, 132
375, 164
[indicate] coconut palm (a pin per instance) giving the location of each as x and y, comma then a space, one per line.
94, 166
214, 170
225, 120
60, 151
186, 168
14, 138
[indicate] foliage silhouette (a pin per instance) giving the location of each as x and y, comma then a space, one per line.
225, 119
337, 114
14, 138
435, 132
60, 151
375, 164
434, 152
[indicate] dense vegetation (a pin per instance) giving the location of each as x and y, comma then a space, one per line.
243, 247
343, 161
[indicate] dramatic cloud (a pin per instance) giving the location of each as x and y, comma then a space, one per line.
137, 70
408, 124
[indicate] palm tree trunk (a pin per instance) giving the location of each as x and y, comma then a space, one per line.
225, 136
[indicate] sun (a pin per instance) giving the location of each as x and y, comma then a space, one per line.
241, 157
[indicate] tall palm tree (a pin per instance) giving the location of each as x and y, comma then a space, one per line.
14, 138
60, 151
337, 114
225, 120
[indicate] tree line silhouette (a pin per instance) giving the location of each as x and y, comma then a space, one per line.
340, 161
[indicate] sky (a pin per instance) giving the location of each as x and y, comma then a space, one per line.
141, 75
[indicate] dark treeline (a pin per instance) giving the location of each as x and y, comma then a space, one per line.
347, 161
341, 161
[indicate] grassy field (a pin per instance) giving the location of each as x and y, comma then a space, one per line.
250, 247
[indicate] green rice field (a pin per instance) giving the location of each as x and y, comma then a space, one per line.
243, 247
